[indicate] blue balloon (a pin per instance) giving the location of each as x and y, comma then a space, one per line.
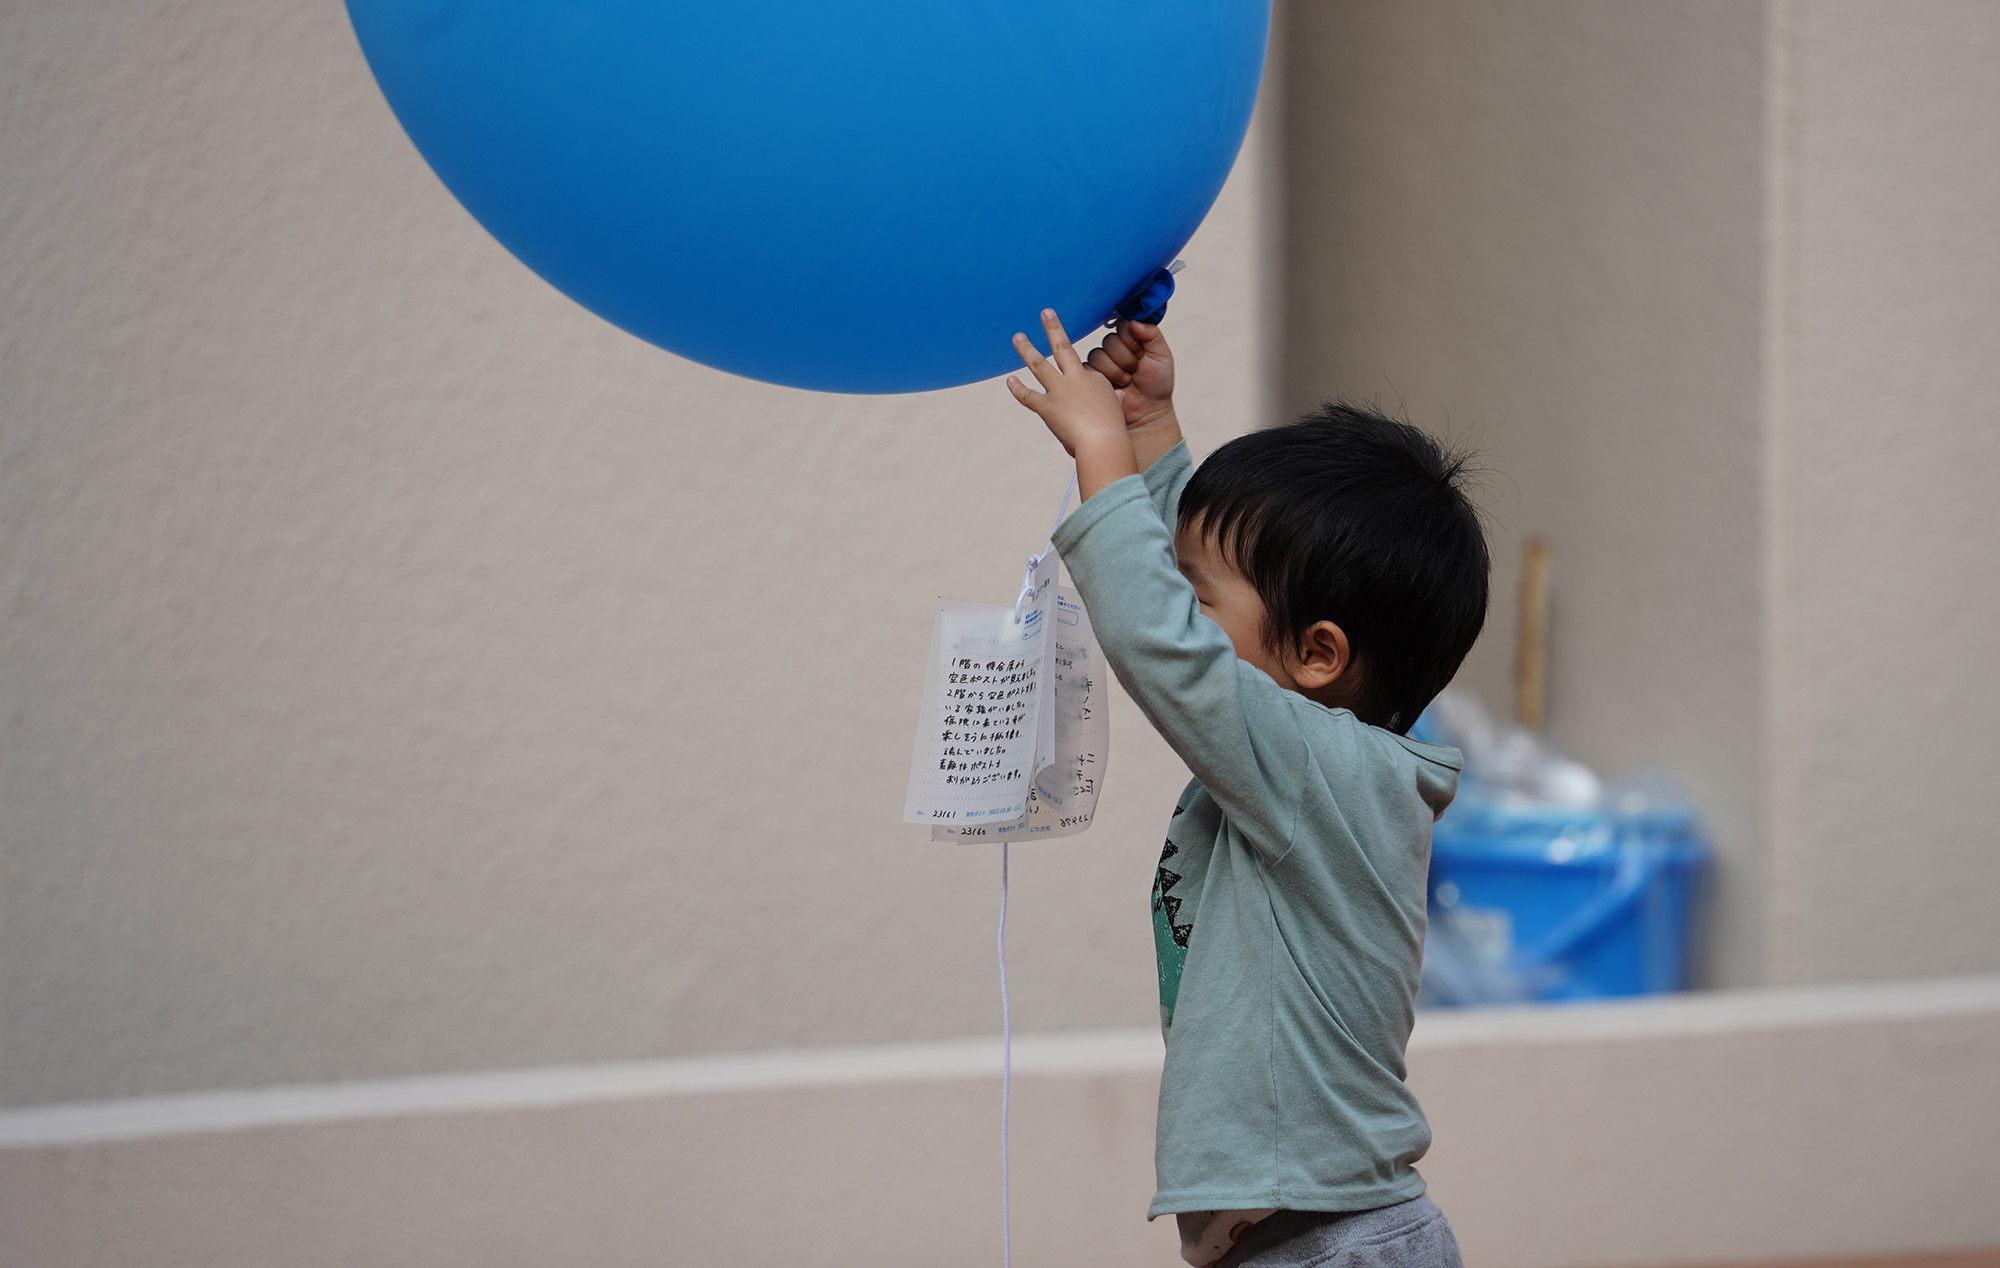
848, 195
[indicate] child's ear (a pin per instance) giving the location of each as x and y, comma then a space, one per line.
1323, 656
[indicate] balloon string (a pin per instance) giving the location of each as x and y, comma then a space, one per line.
1035, 561
1064, 508
1006, 1014
1006, 1072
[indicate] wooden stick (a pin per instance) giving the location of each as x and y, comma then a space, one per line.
1531, 652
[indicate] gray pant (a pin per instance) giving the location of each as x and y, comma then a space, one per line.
1412, 1234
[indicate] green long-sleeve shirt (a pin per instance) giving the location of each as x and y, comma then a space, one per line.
1289, 903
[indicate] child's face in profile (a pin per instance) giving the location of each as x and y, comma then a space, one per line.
1229, 600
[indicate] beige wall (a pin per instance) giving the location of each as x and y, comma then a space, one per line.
1887, 427
395, 662
1714, 287
406, 671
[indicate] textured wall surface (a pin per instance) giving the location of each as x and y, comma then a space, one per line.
403, 670
1890, 431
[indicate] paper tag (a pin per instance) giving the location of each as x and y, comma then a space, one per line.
981, 729
1062, 799
1041, 593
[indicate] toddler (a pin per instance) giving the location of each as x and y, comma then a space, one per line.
1281, 616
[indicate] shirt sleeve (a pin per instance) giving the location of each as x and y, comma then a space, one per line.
1164, 481
1238, 731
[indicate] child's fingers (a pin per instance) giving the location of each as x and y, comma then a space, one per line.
1102, 362
1060, 350
1032, 399
1045, 373
1145, 335
1123, 352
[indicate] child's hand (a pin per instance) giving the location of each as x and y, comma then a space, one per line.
1135, 358
1080, 407
1077, 403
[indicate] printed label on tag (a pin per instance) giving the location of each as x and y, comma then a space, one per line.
981, 724
1062, 798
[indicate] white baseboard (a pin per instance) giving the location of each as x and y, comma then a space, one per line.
1702, 1128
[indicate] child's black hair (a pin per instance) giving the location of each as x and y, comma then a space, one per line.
1351, 517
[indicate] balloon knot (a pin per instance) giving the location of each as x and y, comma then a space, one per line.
1148, 300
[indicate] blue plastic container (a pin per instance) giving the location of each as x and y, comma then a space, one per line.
1561, 903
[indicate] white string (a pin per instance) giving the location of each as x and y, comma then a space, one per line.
1064, 508
1006, 1072
1035, 561
1006, 1016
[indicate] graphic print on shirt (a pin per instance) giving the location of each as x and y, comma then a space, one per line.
1170, 940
